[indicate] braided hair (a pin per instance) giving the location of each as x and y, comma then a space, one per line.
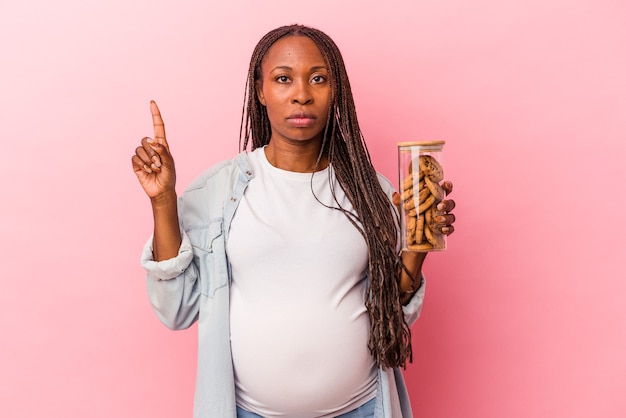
344, 145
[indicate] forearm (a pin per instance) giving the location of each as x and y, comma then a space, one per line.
167, 237
411, 274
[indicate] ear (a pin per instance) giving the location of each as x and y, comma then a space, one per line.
258, 85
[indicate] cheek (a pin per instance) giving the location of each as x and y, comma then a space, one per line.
327, 108
273, 111
274, 99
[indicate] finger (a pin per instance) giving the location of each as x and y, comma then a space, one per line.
396, 199
149, 153
157, 122
443, 224
446, 220
447, 187
446, 205
139, 165
153, 163
447, 230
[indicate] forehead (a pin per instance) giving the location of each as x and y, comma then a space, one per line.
293, 51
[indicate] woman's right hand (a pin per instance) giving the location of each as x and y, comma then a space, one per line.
153, 163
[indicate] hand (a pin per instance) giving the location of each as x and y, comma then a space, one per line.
445, 219
153, 163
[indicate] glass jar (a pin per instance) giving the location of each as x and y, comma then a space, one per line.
420, 170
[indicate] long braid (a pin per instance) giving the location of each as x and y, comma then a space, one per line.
390, 337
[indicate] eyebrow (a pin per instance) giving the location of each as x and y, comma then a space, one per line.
288, 68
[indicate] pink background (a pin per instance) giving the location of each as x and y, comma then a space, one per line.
524, 315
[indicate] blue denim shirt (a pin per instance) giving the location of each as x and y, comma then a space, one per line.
194, 287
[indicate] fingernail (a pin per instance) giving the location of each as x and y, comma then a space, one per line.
441, 219
150, 140
156, 161
441, 206
145, 167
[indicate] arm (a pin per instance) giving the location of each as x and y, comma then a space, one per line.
412, 261
411, 276
154, 166
167, 238
167, 257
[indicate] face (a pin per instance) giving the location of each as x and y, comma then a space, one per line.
295, 90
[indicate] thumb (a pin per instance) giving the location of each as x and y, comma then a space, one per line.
396, 199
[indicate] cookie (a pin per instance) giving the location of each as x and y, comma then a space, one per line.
431, 168
420, 194
435, 189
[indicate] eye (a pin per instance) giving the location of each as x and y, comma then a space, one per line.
317, 79
282, 79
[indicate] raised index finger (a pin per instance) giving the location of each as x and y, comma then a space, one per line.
157, 122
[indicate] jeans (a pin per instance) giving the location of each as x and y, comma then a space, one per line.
363, 411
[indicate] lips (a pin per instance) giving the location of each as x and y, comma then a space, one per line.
301, 119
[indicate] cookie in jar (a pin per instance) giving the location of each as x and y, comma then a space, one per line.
420, 169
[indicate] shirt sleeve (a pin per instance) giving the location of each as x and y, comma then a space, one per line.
413, 309
173, 288
171, 268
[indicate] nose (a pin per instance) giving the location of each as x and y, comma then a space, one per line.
301, 93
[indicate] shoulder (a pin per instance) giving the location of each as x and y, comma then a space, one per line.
226, 171
386, 185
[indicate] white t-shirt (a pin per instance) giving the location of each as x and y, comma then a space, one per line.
299, 326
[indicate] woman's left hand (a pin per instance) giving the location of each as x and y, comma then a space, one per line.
444, 221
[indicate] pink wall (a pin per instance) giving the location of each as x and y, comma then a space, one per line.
524, 314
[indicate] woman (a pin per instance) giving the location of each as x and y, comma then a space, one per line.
287, 255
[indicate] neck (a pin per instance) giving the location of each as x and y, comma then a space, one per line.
300, 158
